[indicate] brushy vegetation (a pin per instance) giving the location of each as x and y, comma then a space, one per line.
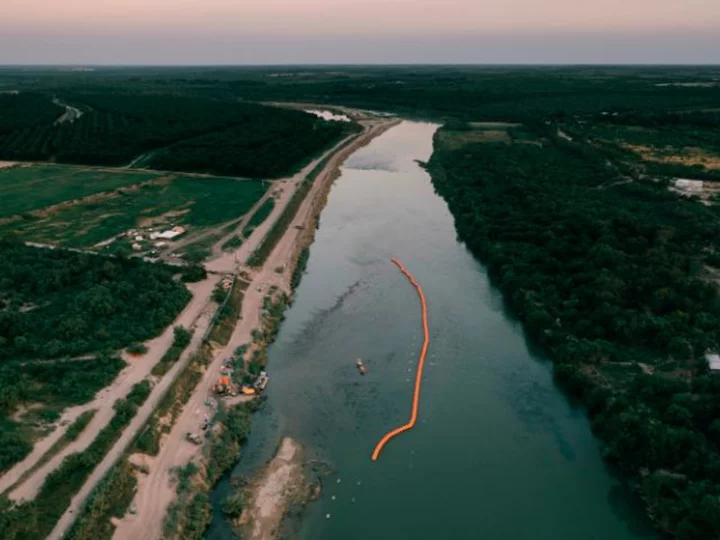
607, 275
76, 428
278, 228
681, 144
300, 268
59, 303
225, 448
35, 519
148, 442
181, 339
193, 273
70, 435
233, 243
55, 386
55, 303
137, 349
259, 217
190, 515
111, 499
229, 313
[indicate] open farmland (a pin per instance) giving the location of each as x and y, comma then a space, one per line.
144, 199
27, 188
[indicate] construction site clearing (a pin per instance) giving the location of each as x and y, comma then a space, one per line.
251, 386
147, 241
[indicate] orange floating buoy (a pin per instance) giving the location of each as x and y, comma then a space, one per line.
421, 364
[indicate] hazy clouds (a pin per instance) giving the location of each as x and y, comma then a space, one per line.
358, 31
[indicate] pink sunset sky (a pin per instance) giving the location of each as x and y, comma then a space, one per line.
317, 31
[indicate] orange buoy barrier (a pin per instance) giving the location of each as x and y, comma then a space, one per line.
421, 364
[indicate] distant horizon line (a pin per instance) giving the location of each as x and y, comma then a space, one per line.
362, 64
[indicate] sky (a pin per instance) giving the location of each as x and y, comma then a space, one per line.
182, 32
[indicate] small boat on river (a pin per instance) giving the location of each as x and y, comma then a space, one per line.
360, 366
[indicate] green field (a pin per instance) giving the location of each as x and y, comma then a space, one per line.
160, 200
27, 188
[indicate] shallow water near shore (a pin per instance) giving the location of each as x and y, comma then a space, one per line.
499, 452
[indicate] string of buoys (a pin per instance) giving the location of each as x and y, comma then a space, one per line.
421, 364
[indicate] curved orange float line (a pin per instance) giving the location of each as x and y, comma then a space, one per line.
421, 364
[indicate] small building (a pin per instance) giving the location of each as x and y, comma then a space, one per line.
689, 186
136, 247
713, 360
179, 229
138, 238
169, 235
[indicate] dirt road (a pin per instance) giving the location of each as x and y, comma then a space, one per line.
155, 494
137, 370
137, 423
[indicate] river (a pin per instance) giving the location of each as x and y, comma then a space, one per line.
499, 452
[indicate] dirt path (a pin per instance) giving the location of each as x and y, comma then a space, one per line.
217, 249
140, 419
156, 493
136, 371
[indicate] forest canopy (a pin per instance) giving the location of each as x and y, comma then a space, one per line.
61, 303
244, 139
610, 275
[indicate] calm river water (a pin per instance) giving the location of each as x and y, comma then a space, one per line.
499, 453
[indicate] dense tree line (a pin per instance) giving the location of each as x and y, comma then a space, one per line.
470, 92
604, 273
270, 145
115, 128
25, 111
57, 303
484, 93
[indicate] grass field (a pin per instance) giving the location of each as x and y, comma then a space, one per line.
27, 188
160, 200
483, 132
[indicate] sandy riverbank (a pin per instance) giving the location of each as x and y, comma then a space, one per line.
279, 485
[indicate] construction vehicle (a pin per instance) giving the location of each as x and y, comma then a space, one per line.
222, 387
194, 438
262, 381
